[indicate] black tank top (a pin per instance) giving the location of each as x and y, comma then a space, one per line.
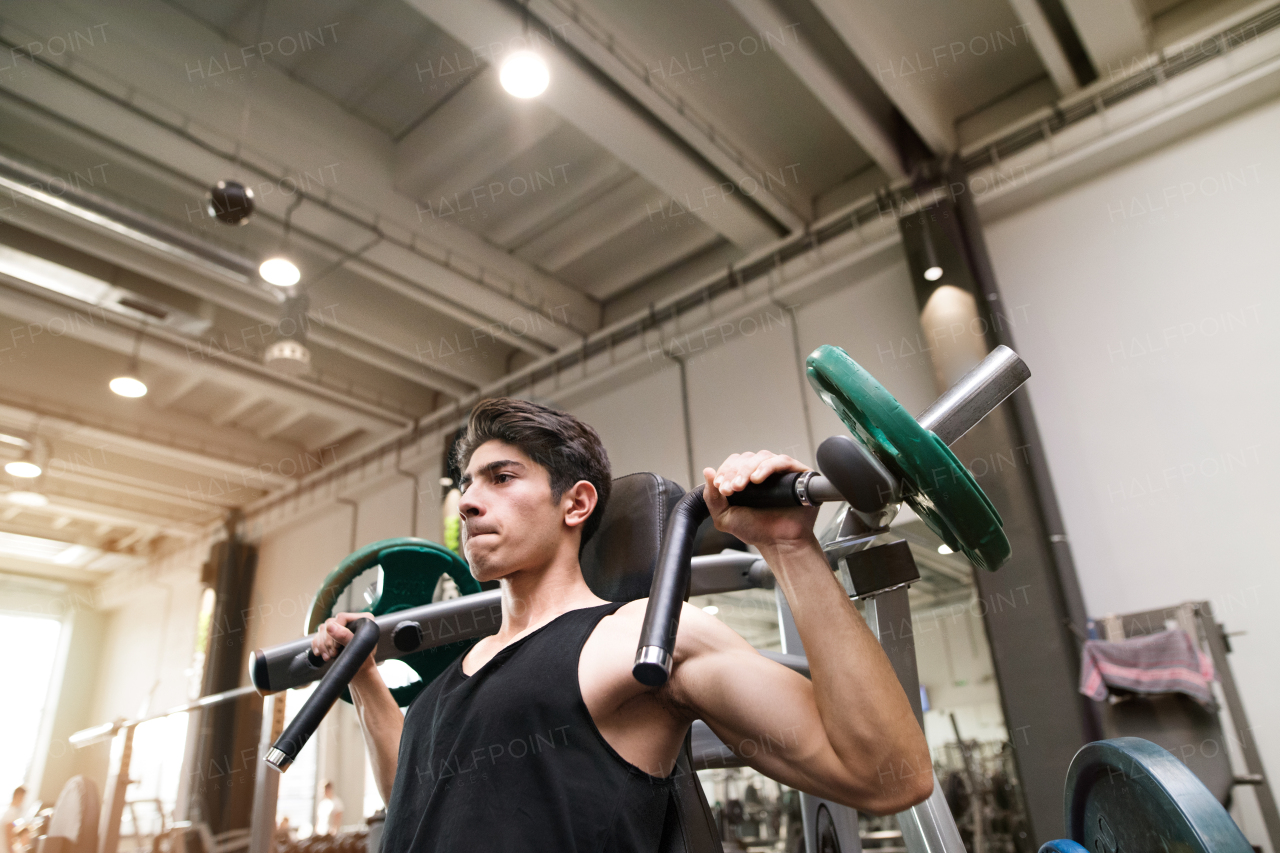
508, 759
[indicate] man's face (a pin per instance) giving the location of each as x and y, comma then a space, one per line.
509, 521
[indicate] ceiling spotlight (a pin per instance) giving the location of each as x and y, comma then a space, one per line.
524, 74
932, 269
23, 468
128, 386
712, 609
943, 549
281, 272
229, 202
27, 499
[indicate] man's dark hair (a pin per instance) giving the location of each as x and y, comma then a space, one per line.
569, 449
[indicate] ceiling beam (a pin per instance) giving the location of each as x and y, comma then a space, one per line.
588, 102
1046, 45
63, 224
29, 303
183, 386
592, 225
528, 223
235, 410
859, 23
1116, 33
80, 429
150, 133
858, 121
730, 158
289, 418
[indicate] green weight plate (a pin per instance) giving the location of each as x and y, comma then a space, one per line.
411, 568
1127, 794
940, 489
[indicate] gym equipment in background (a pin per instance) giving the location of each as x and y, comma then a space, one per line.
1174, 721
1129, 794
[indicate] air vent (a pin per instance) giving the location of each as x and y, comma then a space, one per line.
153, 311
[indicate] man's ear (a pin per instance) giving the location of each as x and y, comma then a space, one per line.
579, 501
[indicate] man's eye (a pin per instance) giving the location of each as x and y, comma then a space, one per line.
498, 478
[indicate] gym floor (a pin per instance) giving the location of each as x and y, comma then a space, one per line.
260, 258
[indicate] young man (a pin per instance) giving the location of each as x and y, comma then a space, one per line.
538, 738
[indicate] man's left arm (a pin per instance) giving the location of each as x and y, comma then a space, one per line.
849, 734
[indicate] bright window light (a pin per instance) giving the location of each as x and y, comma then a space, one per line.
43, 550
51, 276
29, 661
281, 272
524, 74
23, 469
128, 386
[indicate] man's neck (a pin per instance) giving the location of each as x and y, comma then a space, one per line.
533, 598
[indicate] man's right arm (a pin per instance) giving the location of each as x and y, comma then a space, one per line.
379, 715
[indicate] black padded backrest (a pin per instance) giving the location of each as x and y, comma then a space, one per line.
618, 561
618, 564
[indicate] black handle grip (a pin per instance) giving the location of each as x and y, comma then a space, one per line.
667, 592
308, 718
777, 490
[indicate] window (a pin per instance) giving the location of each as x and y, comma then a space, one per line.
26, 670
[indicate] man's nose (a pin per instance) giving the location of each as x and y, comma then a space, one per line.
468, 504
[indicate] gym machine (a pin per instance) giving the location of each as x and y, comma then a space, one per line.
892, 458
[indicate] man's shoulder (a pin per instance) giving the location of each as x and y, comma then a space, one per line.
697, 627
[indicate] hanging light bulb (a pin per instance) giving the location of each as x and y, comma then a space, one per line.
524, 74
34, 455
23, 468
129, 385
279, 271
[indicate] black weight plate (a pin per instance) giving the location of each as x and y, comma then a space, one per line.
1127, 795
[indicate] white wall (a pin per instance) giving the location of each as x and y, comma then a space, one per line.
1152, 304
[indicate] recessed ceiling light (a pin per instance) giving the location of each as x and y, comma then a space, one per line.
712, 609
933, 273
27, 499
943, 549
281, 272
524, 74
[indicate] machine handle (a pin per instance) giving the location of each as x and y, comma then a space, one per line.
344, 668
668, 590
777, 490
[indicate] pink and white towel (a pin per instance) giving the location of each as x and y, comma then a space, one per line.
1166, 662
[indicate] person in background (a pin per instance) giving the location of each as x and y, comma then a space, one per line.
328, 812
284, 831
12, 815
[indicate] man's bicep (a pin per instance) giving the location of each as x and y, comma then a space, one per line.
764, 712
